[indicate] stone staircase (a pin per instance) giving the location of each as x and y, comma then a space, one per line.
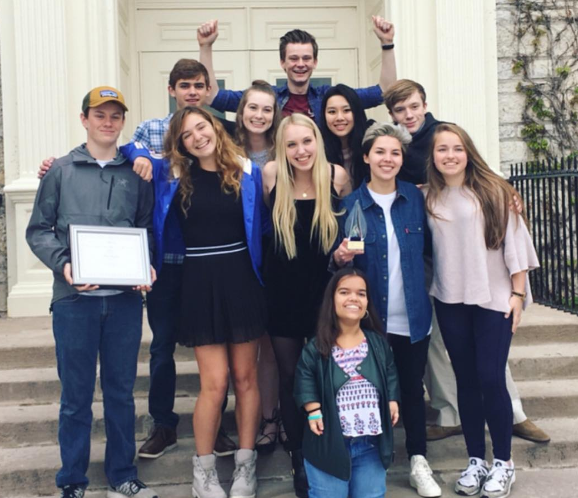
544, 362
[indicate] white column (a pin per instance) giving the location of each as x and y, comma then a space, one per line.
467, 71
449, 46
53, 52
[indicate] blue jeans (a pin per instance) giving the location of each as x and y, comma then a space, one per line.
86, 327
367, 473
478, 342
163, 305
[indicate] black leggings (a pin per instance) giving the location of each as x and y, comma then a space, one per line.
287, 352
478, 342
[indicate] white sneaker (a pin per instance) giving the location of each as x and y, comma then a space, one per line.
244, 477
205, 479
472, 479
499, 481
421, 478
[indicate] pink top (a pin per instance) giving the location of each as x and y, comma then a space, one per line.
465, 271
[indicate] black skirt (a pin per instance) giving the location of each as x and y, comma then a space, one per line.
222, 300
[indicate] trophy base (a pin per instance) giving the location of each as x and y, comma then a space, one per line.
355, 245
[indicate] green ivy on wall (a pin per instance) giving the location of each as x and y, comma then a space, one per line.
547, 34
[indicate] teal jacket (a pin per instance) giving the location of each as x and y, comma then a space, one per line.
318, 379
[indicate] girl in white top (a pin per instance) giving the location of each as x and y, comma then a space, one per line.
482, 253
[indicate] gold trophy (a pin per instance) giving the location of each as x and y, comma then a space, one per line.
356, 228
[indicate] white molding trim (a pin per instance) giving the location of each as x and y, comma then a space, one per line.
53, 52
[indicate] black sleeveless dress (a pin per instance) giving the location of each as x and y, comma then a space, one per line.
222, 300
294, 288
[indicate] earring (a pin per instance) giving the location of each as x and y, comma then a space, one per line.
366, 314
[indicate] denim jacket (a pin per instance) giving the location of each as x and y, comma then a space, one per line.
412, 232
228, 100
255, 213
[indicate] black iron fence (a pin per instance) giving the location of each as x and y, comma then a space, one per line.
550, 193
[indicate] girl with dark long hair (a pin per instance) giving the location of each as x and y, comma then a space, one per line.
343, 124
348, 446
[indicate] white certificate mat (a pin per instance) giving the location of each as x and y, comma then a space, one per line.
109, 256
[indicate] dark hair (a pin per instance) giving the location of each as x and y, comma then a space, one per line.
402, 90
328, 323
333, 150
241, 132
297, 36
89, 108
185, 69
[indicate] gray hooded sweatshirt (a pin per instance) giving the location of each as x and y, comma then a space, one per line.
76, 190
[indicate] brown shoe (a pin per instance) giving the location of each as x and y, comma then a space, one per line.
224, 445
162, 439
437, 432
530, 431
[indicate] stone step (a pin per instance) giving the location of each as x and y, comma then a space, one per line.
555, 360
31, 470
29, 425
32, 424
531, 483
41, 385
29, 343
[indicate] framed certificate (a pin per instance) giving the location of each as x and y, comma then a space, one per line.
109, 256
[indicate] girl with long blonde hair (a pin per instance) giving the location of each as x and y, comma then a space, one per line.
302, 190
482, 254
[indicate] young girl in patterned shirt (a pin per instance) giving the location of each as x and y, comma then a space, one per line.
347, 384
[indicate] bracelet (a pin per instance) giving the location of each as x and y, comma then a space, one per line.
315, 417
521, 295
387, 46
309, 412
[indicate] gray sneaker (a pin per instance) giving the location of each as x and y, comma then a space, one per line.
205, 479
499, 481
132, 489
244, 477
472, 479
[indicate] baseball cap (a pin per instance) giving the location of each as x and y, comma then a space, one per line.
100, 95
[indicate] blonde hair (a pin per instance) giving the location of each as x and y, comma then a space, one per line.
492, 192
229, 167
284, 212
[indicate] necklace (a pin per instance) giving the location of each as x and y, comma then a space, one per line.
304, 193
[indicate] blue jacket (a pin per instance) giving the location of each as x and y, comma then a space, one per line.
412, 232
228, 100
167, 233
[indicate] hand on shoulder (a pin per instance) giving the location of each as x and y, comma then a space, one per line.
341, 181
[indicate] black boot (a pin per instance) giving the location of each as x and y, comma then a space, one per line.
300, 484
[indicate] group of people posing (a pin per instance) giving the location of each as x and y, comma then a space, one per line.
326, 345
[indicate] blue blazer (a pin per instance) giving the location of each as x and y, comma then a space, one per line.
167, 233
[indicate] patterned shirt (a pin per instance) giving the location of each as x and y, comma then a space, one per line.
357, 400
151, 133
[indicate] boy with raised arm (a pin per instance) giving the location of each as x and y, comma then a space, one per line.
298, 58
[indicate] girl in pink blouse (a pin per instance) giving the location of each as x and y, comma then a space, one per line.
482, 253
